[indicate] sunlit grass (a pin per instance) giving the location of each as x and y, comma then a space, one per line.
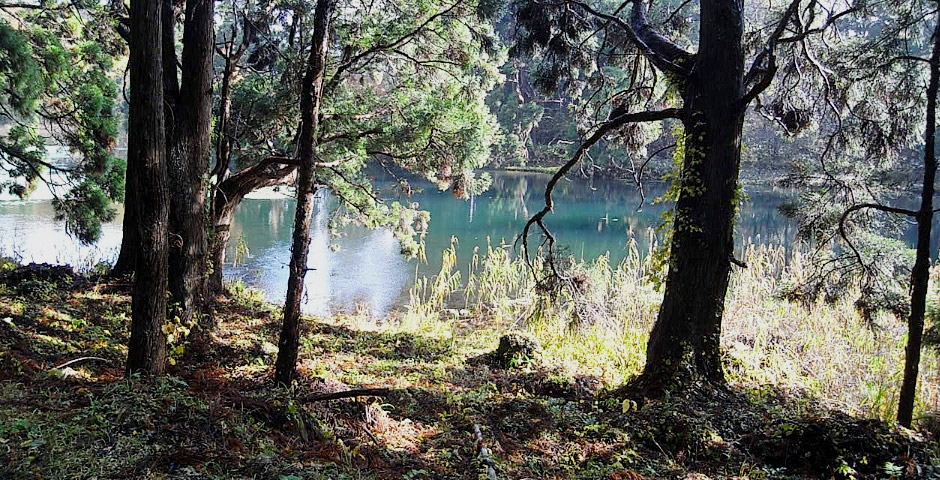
600, 325
218, 414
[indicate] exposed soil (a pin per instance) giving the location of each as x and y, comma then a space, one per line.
219, 415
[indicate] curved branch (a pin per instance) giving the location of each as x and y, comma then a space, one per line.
602, 130
873, 206
666, 55
830, 21
638, 173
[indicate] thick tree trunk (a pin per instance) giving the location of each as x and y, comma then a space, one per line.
920, 274
306, 188
146, 352
685, 341
188, 159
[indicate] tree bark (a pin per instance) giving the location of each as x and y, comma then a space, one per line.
146, 352
224, 128
920, 274
685, 340
188, 160
306, 188
127, 258
229, 194
226, 197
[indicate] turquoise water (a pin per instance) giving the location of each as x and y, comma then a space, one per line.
364, 269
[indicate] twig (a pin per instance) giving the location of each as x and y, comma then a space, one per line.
81, 359
359, 392
485, 454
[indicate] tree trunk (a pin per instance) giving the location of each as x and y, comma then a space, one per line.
229, 194
221, 234
223, 202
306, 188
920, 274
146, 350
225, 133
685, 341
127, 258
188, 162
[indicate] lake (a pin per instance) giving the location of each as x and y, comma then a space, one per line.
364, 269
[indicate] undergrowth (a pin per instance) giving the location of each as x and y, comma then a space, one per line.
600, 324
803, 374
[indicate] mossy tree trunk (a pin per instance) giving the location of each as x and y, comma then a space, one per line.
685, 340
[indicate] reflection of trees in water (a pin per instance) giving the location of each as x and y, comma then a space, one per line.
262, 223
522, 188
590, 221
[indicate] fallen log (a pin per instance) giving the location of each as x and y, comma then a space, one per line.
358, 392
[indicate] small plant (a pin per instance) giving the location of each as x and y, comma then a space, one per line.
241, 250
37, 289
245, 295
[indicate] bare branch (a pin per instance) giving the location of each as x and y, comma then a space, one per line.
663, 53
830, 21
360, 392
602, 130
873, 206
768, 55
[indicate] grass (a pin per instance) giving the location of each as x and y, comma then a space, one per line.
600, 327
798, 372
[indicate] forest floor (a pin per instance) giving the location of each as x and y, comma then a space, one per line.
218, 414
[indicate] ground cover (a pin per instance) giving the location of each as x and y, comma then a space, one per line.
800, 405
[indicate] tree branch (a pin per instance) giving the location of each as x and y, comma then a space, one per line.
874, 206
359, 392
602, 130
768, 54
666, 55
346, 65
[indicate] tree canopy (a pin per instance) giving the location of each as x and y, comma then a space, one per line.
57, 68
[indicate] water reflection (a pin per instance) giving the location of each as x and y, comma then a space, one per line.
28, 233
364, 269
361, 269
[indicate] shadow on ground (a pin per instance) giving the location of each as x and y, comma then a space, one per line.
219, 416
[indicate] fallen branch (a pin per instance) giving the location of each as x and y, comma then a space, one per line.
359, 392
485, 454
80, 359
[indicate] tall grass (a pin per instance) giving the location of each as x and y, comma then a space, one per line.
599, 324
